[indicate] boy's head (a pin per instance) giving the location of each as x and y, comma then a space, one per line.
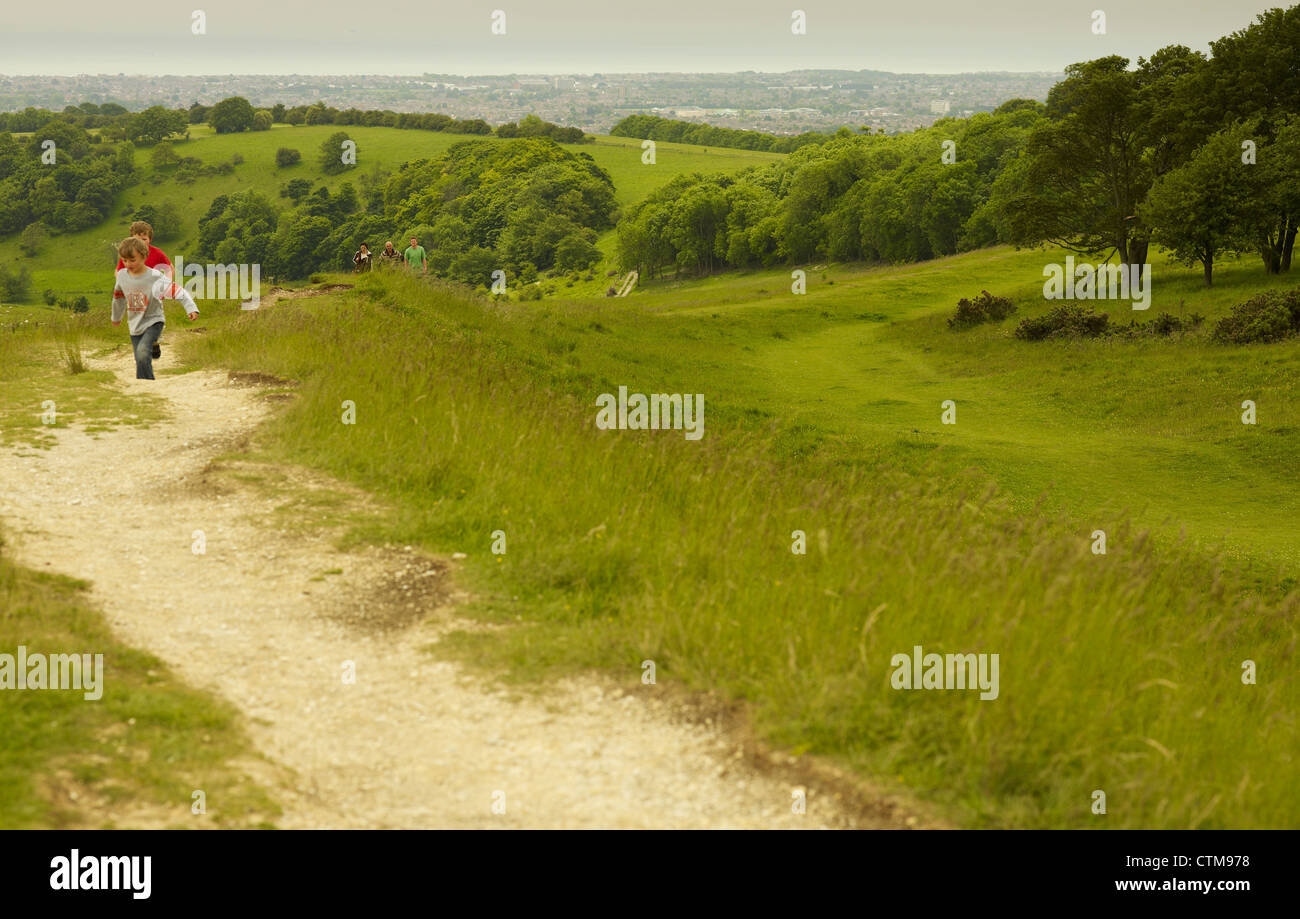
133, 251
414, 242
142, 230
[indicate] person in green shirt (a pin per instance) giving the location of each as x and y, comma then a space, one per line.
415, 255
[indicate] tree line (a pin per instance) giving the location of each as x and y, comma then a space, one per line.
522, 205
1197, 153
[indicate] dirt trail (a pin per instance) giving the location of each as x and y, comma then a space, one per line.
414, 742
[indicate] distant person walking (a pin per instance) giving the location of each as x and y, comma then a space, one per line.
415, 255
389, 256
362, 258
157, 259
139, 292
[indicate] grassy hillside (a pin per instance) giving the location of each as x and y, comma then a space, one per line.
1119, 672
73, 263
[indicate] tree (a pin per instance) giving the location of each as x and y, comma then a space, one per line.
294, 245
261, 120
277, 113
1204, 207
331, 158
1083, 173
231, 115
33, 238
154, 124
163, 155
575, 252
287, 156
296, 190
164, 217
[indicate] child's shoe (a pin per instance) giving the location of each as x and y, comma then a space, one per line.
157, 350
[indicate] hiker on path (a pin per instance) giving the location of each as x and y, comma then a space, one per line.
157, 259
139, 292
389, 256
415, 255
362, 259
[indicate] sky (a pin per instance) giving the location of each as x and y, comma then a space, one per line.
594, 36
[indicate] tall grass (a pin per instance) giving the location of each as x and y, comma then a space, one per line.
1119, 672
69, 336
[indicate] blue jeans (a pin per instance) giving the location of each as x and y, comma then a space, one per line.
143, 345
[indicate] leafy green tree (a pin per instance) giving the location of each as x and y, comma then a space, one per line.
163, 155
293, 249
261, 120
1084, 174
296, 190
575, 252
154, 124
475, 266
33, 238
1204, 208
231, 115
331, 154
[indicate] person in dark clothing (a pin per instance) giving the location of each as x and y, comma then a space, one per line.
362, 259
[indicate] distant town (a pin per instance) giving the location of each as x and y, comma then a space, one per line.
777, 103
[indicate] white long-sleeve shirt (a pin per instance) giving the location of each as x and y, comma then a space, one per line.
140, 296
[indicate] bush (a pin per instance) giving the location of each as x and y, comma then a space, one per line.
1064, 322
1270, 316
50, 297
287, 156
15, 285
237, 159
984, 308
1164, 324
531, 292
81, 305
33, 238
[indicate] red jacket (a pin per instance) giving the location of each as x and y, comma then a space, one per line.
155, 259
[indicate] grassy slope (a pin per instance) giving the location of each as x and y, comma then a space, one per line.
1119, 672
72, 263
639, 546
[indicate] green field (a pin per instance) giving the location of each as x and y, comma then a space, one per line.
1120, 672
72, 262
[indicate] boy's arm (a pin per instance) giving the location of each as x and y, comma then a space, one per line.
167, 289
119, 303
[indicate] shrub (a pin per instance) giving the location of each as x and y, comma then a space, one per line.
287, 156
50, 297
984, 308
237, 159
1270, 316
81, 305
1064, 322
15, 284
531, 292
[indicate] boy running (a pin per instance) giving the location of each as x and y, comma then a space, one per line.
139, 292
157, 259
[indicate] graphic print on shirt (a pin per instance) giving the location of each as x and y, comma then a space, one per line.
137, 301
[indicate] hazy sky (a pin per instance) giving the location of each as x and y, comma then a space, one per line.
591, 36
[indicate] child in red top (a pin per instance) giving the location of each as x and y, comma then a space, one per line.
156, 259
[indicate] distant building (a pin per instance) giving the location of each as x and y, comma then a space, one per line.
940, 106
